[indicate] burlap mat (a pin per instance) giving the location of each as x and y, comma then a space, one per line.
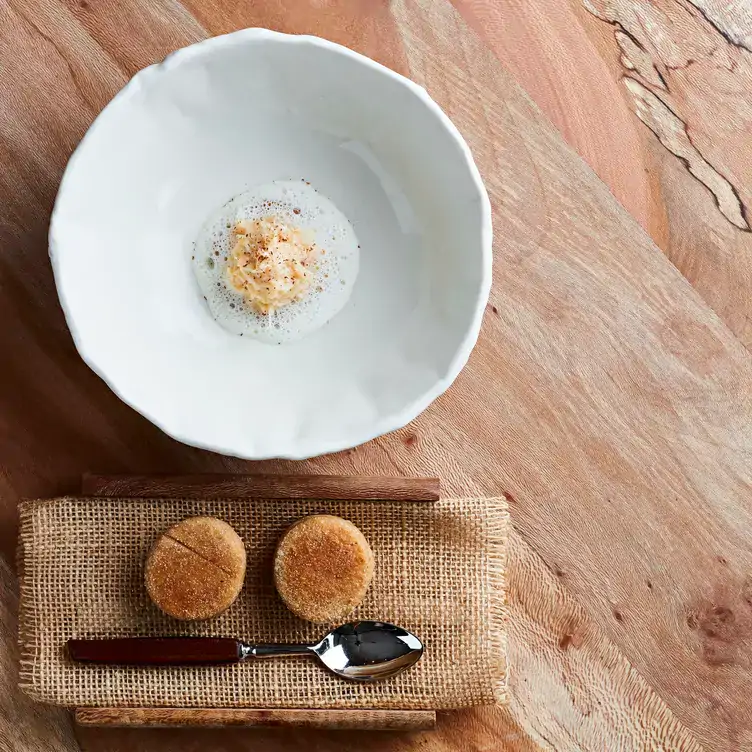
440, 572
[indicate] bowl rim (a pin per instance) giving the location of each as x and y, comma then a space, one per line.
301, 447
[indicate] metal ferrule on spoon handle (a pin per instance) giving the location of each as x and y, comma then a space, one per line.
273, 650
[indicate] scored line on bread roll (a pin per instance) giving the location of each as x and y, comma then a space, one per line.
193, 551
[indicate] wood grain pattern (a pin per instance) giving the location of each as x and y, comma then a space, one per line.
559, 654
371, 720
654, 94
264, 486
605, 396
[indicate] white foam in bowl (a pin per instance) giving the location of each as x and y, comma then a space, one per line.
296, 203
211, 122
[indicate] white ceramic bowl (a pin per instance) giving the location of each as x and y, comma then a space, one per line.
210, 121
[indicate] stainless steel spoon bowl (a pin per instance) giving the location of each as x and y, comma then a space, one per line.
363, 651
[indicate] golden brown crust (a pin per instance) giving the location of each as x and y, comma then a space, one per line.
196, 569
323, 567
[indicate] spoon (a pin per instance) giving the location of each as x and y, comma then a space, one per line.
363, 651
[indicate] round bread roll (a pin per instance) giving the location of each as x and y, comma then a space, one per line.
195, 570
322, 568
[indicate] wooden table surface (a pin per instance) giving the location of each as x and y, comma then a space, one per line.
608, 398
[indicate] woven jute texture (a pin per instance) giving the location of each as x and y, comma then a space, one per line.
440, 572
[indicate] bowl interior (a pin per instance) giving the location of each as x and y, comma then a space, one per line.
210, 122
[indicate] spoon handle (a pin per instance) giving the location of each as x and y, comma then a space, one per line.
158, 651
175, 651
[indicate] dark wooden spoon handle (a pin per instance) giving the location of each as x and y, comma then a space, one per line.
156, 651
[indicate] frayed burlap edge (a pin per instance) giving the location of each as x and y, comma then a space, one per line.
497, 578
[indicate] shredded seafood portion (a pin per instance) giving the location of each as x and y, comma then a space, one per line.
271, 263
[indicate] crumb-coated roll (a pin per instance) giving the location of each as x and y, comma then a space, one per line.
196, 569
323, 567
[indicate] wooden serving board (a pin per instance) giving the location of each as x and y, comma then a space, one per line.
364, 720
260, 486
